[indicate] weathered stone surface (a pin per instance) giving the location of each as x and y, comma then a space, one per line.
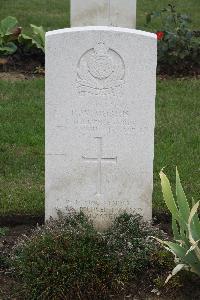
100, 98
120, 13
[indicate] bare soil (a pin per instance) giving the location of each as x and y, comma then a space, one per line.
22, 67
28, 66
16, 76
23, 220
9, 284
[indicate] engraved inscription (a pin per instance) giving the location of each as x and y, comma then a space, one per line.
89, 120
99, 161
101, 72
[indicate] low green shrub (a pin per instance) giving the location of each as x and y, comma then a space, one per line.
3, 231
185, 226
178, 48
3, 261
68, 259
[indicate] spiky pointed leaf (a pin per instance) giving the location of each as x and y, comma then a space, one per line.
168, 196
184, 208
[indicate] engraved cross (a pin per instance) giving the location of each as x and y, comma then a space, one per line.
99, 160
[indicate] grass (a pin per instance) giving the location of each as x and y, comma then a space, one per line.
22, 115
189, 7
177, 141
54, 14
22, 147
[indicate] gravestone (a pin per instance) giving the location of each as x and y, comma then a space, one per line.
100, 98
120, 13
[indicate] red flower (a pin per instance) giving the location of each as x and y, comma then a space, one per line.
160, 35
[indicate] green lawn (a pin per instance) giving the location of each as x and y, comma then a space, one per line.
22, 115
53, 14
22, 146
177, 139
22, 141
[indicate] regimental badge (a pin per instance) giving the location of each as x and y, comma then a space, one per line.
101, 72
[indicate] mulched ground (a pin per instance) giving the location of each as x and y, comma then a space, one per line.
6, 243
28, 66
18, 67
15, 76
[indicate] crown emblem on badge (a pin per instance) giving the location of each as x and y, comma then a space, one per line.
101, 71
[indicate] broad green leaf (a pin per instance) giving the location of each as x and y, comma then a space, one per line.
37, 44
39, 38
25, 37
25, 40
7, 25
39, 31
168, 196
8, 49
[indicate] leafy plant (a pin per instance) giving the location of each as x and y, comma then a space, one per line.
186, 228
178, 48
12, 38
68, 259
36, 41
9, 33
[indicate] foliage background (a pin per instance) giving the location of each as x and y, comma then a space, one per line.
54, 14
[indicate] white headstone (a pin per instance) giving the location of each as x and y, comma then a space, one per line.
120, 13
100, 98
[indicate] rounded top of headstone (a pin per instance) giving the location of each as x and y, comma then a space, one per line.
101, 29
